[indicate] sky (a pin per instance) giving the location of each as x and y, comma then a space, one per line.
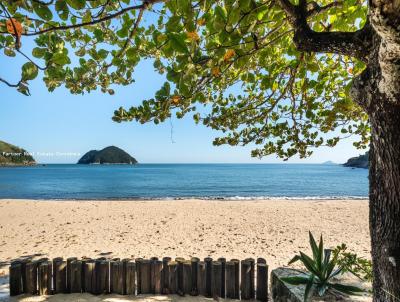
57, 127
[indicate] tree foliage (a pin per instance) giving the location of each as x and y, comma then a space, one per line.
236, 58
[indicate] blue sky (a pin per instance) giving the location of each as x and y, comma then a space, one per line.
54, 125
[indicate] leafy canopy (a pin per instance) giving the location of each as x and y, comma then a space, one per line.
236, 58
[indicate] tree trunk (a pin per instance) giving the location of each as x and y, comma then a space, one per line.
384, 177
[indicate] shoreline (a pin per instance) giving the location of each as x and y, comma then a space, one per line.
200, 198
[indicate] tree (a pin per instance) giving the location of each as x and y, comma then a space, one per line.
308, 74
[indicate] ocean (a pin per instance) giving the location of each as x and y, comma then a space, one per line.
177, 181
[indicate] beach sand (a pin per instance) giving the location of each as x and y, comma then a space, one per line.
273, 229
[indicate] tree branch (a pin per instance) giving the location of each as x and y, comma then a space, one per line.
320, 9
356, 44
9, 84
142, 6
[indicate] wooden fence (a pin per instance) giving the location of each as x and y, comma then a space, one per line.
234, 279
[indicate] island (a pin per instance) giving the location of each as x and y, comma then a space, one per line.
109, 155
11, 155
361, 161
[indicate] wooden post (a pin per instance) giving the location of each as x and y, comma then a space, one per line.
187, 277
231, 291
117, 277
124, 263
245, 280
90, 276
216, 279
139, 279
130, 277
156, 270
237, 277
262, 282
164, 276
195, 269
16, 287
180, 290
201, 278
84, 260
69, 260
172, 277
145, 275
102, 277
261, 260
223, 290
75, 277
31, 278
252, 277
59, 275
23, 263
208, 283
44, 278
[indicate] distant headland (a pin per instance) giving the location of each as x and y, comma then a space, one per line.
11, 155
109, 155
358, 162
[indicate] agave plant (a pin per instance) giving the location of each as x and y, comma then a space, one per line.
321, 269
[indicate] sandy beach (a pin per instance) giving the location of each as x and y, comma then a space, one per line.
273, 229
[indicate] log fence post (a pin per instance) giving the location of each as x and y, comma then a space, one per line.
216, 279
16, 287
44, 278
172, 277
130, 278
31, 278
262, 282
208, 277
165, 276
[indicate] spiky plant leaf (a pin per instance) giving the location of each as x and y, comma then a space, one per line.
307, 292
294, 259
346, 289
295, 280
310, 265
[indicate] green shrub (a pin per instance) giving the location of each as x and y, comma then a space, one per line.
350, 262
322, 267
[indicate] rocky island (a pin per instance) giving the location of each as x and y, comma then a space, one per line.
109, 155
11, 155
358, 162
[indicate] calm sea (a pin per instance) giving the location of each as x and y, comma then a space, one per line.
207, 181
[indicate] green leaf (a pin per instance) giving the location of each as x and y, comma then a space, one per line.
317, 251
38, 52
295, 280
62, 9
310, 265
294, 259
178, 43
307, 292
131, 53
22, 88
102, 53
29, 71
9, 52
60, 58
42, 11
76, 4
347, 289
221, 12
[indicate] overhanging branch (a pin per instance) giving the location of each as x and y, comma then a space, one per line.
144, 5
353, 44
356, 44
